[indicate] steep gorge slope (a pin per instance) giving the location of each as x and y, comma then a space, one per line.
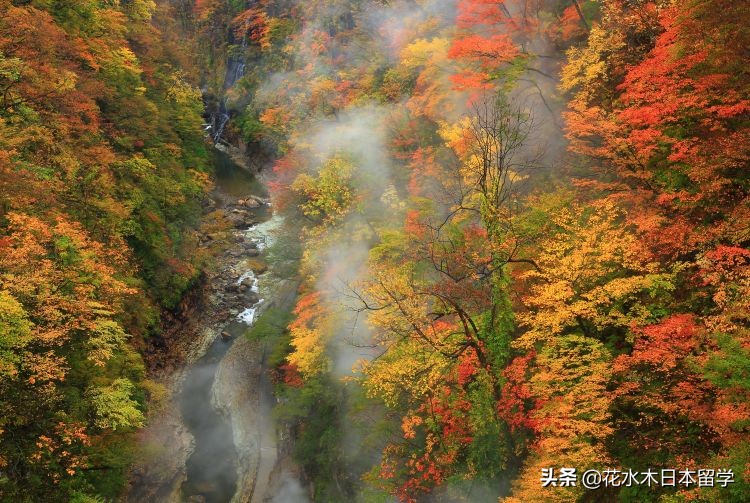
103, 169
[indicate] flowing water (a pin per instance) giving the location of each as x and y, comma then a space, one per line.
212, 467
215, 441
232, 181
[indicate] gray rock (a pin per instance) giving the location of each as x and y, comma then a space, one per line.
257, 199
247, 282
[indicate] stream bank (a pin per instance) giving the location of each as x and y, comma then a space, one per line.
214, 439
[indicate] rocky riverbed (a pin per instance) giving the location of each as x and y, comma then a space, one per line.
221, 446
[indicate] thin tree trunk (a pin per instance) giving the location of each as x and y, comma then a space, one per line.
580, 14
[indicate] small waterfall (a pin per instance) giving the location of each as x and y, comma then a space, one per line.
236, 66
220, 122
258, 234
236, 62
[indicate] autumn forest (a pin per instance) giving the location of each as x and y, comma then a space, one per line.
375, 251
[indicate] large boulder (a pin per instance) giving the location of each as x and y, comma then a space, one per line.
250, 202
248, 282
240, 219
251, 298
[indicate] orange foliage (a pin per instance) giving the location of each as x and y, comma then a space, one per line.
489, 52
253, 23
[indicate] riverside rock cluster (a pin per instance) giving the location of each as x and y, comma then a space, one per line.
227, 288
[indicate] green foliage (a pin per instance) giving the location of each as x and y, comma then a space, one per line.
140, 10
114, 407
729, 368
489, 452
630, 290
736, 459
498, 324
328, 196
15, 333
271, 323
122, 71
250, 126
79, 497
106, 338
314, 410
281, 28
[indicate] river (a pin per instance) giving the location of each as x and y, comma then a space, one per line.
215, 439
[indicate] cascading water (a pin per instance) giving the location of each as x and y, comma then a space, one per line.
236, 60
249, 314
235, 71
220, 121
216, 461
212, 468
218, 117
